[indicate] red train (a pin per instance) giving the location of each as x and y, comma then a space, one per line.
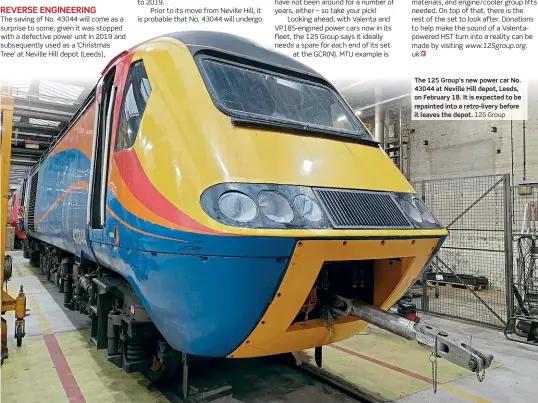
15, 217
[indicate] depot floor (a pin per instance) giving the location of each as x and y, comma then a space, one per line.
57, 364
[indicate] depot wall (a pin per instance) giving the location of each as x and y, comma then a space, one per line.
465, 148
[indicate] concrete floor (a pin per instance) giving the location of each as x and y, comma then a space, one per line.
57, 364
514, 381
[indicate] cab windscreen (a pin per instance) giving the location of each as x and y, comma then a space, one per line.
258, 94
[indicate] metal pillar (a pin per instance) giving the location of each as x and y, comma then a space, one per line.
400, 139
508, 247
7, 302
425, 299
379, 127
6, 107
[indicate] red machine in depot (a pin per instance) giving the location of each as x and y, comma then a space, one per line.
15, 214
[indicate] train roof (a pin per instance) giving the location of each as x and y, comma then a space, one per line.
219, 41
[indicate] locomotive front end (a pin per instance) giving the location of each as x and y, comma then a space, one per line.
268, 198
355, 244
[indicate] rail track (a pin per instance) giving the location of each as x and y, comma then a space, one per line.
264, 379
339, 384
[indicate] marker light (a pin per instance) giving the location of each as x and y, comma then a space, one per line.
412, 211
424, 211
307, 208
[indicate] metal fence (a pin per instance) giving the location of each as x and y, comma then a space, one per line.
471, 277
525, 231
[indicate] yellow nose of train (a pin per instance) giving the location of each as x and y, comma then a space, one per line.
261, 195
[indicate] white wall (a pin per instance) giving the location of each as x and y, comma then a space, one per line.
464, 148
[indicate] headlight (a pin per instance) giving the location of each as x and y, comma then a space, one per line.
412, 211
267, 206
307, 208
237, 206
275, 207
428, 216
416, 211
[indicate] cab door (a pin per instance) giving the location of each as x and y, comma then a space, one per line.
105, 100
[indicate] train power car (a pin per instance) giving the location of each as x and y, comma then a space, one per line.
213, 198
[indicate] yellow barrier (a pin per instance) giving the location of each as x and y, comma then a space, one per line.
7, 302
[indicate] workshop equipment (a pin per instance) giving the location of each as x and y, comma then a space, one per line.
10, 238
522, 329
408, 310
7, 302
523, 326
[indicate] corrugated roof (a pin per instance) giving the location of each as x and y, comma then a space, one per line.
61, 94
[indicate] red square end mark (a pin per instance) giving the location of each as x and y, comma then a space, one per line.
422, 53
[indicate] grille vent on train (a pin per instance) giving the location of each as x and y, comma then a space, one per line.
361, 209
31, 204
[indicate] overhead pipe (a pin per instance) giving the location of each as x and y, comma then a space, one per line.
26, 151
379, 128
44, 143
524, 152
20, 167
30, 134
355, 84
30, 108
386, 101
42, 128
48, 115
23, 161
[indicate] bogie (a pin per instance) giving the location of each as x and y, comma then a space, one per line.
119, 322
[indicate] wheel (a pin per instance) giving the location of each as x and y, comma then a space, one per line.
19, 334
8, 267
42, 263
160, 373
161, 370
45, 266
34, 260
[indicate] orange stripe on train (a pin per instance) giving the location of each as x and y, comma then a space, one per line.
139, 230
75, 186
132, 204
80, 136
142, 189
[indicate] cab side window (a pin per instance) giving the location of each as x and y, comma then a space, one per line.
135, 97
